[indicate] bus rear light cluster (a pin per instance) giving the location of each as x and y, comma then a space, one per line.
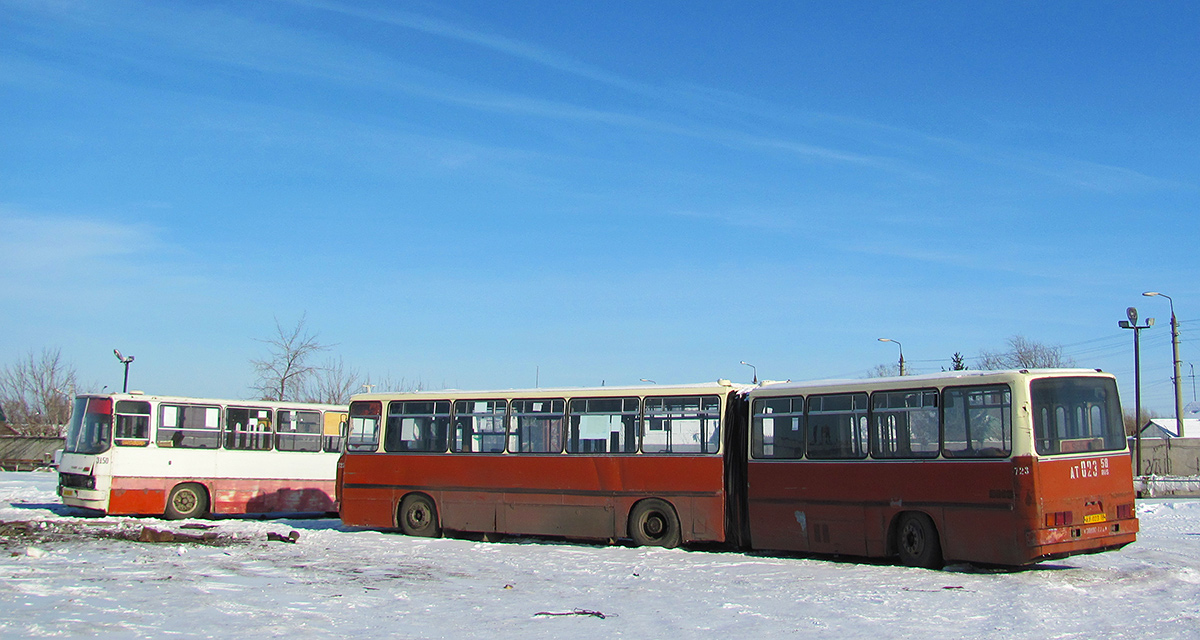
1058, 519
1125, 511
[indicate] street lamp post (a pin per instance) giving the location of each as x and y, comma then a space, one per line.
754, 368
125, 360
1131, 323
1178, 363
901, 352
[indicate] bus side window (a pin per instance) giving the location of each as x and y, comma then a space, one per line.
682, 424
334, 429
298, 431
536, 426
189, 426
248, 429
837, 426
777, 430
603, 425
479, 426
977, 422
132, 427
904, 424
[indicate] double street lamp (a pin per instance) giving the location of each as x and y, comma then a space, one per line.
1131, 323
125, 360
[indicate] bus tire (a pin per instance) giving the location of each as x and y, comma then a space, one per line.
653, 523
917, 541
418, 516
188, 500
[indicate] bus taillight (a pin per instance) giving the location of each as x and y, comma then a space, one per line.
1058, 519
1125, 511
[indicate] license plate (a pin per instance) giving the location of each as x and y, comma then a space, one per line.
68, 493
1094, 518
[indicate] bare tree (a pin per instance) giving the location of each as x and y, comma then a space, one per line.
332, 383
282, 375
1131, 425
1024, 353
37, 391
884, 371
388, 383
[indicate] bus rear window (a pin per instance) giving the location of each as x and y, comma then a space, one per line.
1073, 415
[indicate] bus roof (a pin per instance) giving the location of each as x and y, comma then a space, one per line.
719, 386
932, 379
273, 404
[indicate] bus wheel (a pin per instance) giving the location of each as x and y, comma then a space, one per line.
653, 522
418, 516
187, 501
917, 541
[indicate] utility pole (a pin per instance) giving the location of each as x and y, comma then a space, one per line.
1178, 362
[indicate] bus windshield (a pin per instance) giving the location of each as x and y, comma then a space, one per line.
91, 426
1073, 415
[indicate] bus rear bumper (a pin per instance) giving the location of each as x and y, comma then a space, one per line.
1059, 542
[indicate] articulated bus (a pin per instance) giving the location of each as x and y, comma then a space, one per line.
1006, 468
136, 454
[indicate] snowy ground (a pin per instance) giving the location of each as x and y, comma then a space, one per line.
66, 575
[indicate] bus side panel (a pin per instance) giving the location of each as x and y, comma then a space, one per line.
849, 507
139, 496
562, 495
234, 495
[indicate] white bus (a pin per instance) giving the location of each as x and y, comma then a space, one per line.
137, 454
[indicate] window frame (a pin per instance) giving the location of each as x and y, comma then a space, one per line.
630, 433
267, 435
440, 421
496, 415
708, 410
1006, 426
179, 433
120, 419
874, 426
798, 420
859, 426
553, 429
370, 411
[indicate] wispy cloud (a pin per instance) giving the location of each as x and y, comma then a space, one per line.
61, 244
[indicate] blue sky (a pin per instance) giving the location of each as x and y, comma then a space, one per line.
484, 195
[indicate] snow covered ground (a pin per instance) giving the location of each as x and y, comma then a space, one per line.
65, 575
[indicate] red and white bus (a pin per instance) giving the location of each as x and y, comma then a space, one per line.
1004, 468
135, 454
